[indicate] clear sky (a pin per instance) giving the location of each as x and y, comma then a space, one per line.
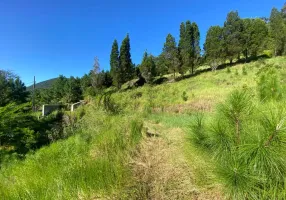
47, 38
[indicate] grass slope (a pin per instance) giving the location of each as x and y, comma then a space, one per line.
105, 158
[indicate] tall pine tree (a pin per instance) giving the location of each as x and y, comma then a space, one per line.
254, 33
126, 67
233, 39
181, 48
189, 45
114, 63
213, 46
277, 32
148, 68
171, 55
196, 50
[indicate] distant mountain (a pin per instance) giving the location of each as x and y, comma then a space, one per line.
43, 85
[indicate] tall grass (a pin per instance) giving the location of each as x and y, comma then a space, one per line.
90, 164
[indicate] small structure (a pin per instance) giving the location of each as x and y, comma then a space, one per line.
76, 105
47, 109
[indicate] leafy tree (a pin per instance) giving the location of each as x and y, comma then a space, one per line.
214, 46
148, 68
126, 67
114, 63
233, 38
170, 53
277, 32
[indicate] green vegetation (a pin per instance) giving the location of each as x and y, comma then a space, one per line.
215, 131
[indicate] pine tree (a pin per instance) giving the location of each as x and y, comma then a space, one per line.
196, 50
188, 46
126, 67
213, 46
181, 48
277, 32
171, 55
114, 63
233, 39
182, 36
254, 33
148, 68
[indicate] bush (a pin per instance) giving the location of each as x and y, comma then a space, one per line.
184, 96
228, 70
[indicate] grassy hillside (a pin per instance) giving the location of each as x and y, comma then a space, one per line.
43, 85
137, 145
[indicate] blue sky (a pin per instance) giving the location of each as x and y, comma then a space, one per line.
48, 38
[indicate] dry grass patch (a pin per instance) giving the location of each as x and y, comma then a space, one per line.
161, 169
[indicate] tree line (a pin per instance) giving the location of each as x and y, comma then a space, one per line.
237, 39
246, 37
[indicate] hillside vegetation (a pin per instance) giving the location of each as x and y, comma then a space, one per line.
180, 125
146, 148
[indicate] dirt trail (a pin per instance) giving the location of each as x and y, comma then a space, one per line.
161, 168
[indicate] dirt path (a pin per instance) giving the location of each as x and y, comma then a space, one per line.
162, 169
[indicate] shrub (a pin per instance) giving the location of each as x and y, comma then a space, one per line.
184, 96
268, 85
228, 70
246, 141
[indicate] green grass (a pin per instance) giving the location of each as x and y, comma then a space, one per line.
93, 162
90, 164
